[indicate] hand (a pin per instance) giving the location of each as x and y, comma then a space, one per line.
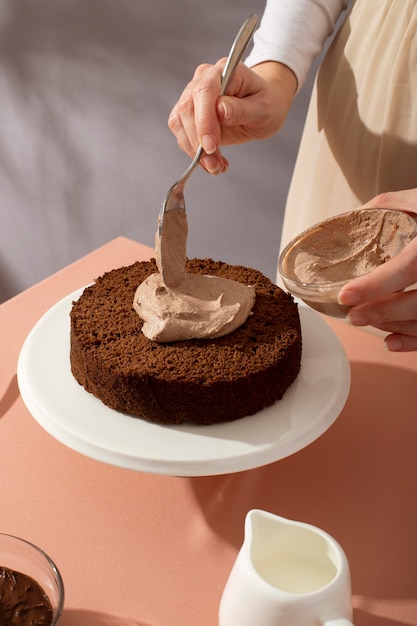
255, 107
378, 298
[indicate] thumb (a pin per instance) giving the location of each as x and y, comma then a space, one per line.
235, 111
245, 119
395, 275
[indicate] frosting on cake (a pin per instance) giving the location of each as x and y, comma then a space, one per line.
200, 307
177, 305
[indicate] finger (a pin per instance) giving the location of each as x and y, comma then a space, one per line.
240, 107
400, 343
182, 138
181, 126
394, 275
195, 112
187, 116
215, 163
405, 200
395, 313
401, 328
244, 113
206, 88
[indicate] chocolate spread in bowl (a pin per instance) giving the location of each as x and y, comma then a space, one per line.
317, 263
23, 601
349, 245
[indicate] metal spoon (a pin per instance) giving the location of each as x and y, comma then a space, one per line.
172, 254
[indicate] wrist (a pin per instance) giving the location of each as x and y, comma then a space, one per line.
280, 77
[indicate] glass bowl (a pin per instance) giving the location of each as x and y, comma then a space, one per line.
22, 556
317, 263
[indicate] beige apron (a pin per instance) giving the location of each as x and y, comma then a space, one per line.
360, 136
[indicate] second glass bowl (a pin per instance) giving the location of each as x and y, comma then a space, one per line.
22, 556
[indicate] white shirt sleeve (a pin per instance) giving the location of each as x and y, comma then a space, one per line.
293, 32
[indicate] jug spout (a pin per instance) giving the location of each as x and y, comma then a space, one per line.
286, 568
290, 556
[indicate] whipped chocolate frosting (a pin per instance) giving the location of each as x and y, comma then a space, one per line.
200, 307
349, 245
22, 601
176, 305
172, 255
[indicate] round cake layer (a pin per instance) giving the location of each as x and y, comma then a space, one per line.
202, 381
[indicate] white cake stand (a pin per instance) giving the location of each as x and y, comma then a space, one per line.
80, 421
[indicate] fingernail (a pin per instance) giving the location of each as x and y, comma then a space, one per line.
348, 297
211, 164
209, 144
223, 111
393, 344
357, 318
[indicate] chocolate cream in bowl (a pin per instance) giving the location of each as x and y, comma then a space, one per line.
320, 260
23, 602
351, 246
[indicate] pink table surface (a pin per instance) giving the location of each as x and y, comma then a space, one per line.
145, 550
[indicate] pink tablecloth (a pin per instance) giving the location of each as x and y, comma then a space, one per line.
138, 549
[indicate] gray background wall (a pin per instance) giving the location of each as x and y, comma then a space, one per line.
85, 151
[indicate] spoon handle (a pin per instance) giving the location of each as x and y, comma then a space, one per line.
237, 50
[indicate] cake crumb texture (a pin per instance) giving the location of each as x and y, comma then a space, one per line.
201, 381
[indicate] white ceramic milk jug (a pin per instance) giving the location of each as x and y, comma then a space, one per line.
287, 574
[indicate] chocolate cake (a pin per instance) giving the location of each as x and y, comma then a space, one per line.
202, 381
